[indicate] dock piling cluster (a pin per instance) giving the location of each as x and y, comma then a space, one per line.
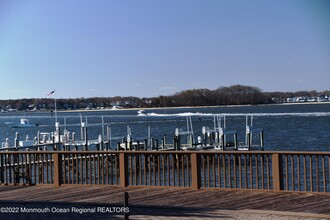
217, 138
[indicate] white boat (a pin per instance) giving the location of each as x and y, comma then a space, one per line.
141, 113
24, 123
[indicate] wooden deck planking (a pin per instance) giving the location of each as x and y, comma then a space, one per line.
171, 197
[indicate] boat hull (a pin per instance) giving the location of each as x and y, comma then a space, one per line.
23, 126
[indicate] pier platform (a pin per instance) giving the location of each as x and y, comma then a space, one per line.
158, 203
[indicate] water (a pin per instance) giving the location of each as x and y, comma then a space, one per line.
303, 127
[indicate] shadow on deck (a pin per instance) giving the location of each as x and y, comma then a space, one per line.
151, 203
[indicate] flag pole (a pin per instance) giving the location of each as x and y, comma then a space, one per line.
55, 107
49, 94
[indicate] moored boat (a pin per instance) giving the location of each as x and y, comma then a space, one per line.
24, 123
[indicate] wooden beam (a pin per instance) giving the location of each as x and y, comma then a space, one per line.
195, 171
57, 157
276, 168
123, 169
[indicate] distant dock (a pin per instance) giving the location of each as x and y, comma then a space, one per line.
217, 138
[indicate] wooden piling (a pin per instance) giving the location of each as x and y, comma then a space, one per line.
145, 144
86, 139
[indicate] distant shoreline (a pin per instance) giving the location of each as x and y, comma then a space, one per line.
182, 107
179, 107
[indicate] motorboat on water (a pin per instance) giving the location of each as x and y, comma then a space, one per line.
141, 112
24, 123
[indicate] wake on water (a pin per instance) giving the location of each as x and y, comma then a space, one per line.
306, 114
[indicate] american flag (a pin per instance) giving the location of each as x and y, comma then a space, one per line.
49, 94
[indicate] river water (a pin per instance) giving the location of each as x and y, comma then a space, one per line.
300, 127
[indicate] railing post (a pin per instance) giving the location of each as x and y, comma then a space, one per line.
126, 214
57, 157
16, 169
195, 171
123, 169
2, 169
277, 169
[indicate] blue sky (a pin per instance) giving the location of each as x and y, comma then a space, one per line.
148, 48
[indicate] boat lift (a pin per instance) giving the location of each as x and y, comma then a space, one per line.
251, 134
189, 133
219, 136
138, 143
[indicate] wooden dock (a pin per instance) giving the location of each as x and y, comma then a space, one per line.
168, 203
168, 184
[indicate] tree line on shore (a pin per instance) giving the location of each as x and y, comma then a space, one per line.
232, 95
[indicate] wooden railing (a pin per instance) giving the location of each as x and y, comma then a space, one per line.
277, 171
